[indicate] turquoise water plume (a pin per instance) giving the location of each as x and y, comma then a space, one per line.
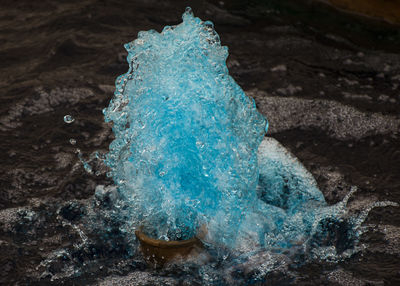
190, 151
186, 135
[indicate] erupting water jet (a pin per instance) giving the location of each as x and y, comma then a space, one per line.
190, 151
185, 151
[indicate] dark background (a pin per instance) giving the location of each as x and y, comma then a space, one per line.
327, 81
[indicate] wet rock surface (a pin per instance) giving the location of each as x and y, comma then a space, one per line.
332, 101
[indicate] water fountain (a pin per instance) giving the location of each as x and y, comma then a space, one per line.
190, 152
185, 152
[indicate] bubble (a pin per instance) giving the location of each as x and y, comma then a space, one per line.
189, 10
69, 119
72, 141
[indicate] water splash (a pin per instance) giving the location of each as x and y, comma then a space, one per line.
189, 151
186, 135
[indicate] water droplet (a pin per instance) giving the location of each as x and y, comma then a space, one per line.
72, 141
68, 119
209, 25
162, 174
189, 11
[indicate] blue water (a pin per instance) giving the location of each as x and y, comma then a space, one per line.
190, 151
186, 135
